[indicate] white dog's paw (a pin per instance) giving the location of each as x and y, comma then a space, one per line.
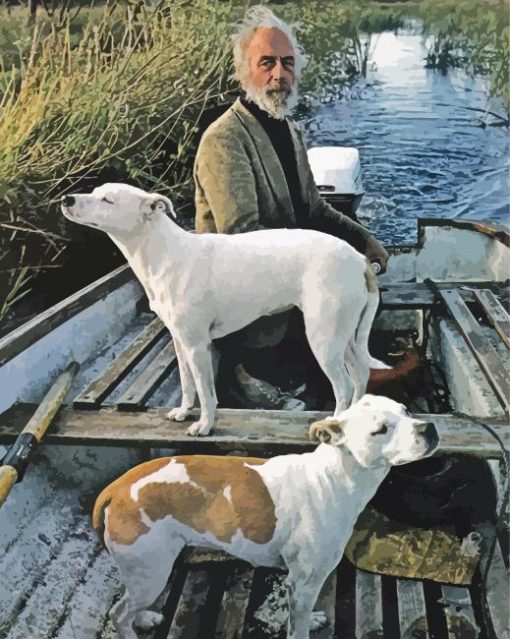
318, 620
198, 429
148, 619
178, 414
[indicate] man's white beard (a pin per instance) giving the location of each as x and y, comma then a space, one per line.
278, 103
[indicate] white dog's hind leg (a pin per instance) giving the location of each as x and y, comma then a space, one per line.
187, 385
199, 359
359, 370
330, 356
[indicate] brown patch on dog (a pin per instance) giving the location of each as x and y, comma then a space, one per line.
371, 279
124, 518
326, 430
200, 503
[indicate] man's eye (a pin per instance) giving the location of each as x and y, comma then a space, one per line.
288, 64
268, 64
381, 430
105, 199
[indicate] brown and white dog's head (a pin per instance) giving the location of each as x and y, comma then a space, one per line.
378, 432
115, 208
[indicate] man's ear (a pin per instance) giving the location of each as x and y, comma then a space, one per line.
328, 431
159, 203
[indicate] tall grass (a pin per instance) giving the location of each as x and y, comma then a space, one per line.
121, 101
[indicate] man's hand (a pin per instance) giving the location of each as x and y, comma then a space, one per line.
375, 252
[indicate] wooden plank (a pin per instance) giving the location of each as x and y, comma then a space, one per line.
369, 612
94, 394
484, 352
496, 314
412, 609
188, 619
258, 431
234, 603
25, 335
460, 619
418, 295
148, 380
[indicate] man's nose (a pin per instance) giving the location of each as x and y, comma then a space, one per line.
68, 200
278, 70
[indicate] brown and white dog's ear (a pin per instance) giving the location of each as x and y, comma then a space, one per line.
159, 203
328, 431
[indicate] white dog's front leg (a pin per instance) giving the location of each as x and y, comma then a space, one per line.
187, 385
302, 595
199, 360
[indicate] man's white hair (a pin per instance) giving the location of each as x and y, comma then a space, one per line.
259, 17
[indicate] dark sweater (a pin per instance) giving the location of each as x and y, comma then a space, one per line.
279, 133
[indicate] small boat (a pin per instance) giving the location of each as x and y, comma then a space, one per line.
446, 330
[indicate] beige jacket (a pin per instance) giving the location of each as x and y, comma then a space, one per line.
240, 184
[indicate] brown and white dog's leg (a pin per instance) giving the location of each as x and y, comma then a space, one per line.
308, 571
145, 567
302, 595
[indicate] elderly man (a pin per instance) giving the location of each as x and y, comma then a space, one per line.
252, 172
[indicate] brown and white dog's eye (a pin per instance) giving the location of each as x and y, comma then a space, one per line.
383, 429
105, 199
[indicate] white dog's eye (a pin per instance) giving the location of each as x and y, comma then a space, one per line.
383, 428
105, 199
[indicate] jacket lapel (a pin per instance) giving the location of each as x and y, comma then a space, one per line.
269, 160
301, 159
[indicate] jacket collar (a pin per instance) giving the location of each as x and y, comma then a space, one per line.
271, 164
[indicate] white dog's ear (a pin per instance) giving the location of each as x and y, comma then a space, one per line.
328, 431
162, 204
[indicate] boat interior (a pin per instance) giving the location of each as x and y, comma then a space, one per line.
444, 327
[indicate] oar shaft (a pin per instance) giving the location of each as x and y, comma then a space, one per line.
18, 457
51, 402
8, 477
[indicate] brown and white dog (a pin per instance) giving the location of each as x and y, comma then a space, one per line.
292, 511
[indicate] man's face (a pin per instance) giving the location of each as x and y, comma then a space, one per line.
270, 74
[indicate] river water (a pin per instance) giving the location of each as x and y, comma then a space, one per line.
423, 150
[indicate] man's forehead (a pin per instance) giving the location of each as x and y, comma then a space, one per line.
270, 41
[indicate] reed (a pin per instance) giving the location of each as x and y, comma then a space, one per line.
120, 101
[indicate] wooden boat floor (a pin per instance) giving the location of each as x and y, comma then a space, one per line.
58, 583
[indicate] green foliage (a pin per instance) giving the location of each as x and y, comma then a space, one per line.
119, 98
478, 32
337, 37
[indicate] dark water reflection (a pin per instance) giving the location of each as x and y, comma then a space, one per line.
422, 148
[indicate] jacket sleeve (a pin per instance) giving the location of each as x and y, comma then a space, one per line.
323, 217
225, 188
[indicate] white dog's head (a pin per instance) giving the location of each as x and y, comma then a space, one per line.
378, 432
115, 208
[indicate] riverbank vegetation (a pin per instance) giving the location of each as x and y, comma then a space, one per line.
119, 91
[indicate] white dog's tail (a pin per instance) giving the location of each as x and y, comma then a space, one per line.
359, 344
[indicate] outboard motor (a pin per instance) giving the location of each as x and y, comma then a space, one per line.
337, 174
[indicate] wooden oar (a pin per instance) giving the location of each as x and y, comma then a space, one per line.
18, 457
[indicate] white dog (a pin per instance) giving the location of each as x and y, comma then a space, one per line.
295, 512
205, 286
